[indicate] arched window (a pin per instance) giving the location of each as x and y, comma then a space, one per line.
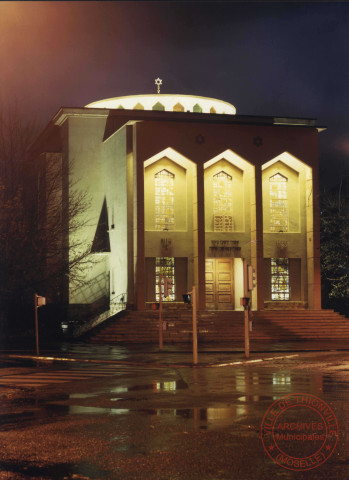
222, 202
164, 200
278, 203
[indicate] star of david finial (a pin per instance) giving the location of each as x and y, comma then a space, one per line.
158, 82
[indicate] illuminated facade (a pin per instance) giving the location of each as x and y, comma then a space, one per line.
189, 189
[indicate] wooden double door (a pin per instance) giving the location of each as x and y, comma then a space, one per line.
219, 283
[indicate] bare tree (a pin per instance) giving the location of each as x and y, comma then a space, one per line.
16, 134
40, 216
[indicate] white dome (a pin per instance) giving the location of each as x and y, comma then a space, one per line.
169, 103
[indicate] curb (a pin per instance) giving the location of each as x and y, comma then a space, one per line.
152, 365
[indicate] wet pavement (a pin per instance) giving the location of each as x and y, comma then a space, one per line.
175, 354
169, 422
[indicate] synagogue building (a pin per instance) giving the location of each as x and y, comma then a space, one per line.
185, 187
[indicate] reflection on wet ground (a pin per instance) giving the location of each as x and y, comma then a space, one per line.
213, 416
144, 413
257, 398
241, 392
82, 395
167, 386
209, 414
77, 409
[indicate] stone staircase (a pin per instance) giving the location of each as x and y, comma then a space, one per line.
222, 326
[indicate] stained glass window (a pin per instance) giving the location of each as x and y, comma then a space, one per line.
280, 279
165, 266
164, 200
222, 202
278, 203
178, 107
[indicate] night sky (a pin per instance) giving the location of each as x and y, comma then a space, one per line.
266, 58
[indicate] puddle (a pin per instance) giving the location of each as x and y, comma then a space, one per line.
62, 409
282, 378
76, 409
8, 419
209, 415
119, 390
55, 471
128, 399
331, 384
258, 398
82, 395
167, 386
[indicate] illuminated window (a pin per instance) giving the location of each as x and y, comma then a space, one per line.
222, 202
165, 266
178, 107
280, 279
278, 203
158, 106
164, 200
197, 108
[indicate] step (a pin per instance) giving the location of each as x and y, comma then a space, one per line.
223, 326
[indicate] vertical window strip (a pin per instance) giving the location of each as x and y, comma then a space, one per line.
280, 279
164, 200
222, 202
278, 203
165, 266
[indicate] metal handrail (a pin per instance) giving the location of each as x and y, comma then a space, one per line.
117, 304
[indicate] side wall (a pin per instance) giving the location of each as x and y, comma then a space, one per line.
114, 157
86, 174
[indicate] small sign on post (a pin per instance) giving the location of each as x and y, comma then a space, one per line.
39, 301
190, 298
